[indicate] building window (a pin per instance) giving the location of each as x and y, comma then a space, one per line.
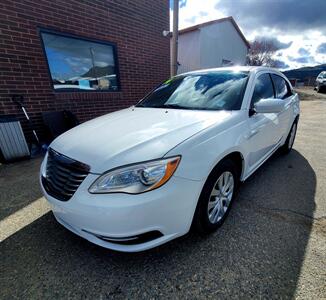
78, 64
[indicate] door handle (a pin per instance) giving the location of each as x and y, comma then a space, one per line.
252, 133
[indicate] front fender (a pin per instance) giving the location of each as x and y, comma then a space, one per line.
202, 152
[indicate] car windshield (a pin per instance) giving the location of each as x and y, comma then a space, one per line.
219, 90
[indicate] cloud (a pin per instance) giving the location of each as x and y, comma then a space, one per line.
281, 64
321, 48
203, 14
193, 12
78, 49
191, 19
302, 59
182, 3
274, 41
289, 24
284, 16
303, 52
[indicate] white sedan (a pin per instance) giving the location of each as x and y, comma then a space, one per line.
137, 178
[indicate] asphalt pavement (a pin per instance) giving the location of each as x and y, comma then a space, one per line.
273, 244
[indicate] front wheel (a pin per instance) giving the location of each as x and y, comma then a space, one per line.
320, 88
287, 147
216, 197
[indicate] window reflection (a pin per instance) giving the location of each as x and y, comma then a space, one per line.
282, 90
220, 90
263, 89
77, 64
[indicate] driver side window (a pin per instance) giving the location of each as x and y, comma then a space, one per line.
263, 89
282, 88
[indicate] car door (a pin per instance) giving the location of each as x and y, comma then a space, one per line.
263, 136
284, 92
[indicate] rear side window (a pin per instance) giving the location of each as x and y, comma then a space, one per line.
263, 89
282, 89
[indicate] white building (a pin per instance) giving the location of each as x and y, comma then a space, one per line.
212, 44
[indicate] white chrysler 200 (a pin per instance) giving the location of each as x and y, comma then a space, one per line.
137, 178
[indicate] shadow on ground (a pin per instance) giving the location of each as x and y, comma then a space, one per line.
19, 185
257, 253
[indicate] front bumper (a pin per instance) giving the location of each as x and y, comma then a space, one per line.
321, 83
167, 210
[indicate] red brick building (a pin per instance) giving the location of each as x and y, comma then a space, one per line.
90, 57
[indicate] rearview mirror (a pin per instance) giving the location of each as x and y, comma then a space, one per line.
271, 105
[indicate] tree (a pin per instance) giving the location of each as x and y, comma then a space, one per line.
261, 53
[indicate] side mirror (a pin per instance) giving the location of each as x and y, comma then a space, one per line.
271, 105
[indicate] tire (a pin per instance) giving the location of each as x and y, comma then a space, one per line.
205, 220
287, 147
320, 89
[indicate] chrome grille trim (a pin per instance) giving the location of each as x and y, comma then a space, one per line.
63, 175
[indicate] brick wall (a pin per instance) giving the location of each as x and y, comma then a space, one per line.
134, 26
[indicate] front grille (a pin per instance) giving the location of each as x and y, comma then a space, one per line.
63, 175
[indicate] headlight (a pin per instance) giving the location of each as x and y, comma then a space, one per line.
137, 178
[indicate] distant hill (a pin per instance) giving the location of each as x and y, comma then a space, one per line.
99, 71
305, 72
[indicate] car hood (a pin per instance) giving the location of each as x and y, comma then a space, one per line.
132, 135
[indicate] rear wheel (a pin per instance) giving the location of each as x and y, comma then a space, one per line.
216, 198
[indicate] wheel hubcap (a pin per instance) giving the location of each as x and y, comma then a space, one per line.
292, 135
220, 198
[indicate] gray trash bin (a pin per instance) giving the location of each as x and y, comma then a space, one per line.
13, 144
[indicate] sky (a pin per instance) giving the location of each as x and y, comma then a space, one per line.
297, 27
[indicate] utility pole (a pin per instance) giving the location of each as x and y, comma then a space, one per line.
91, 50
174, 46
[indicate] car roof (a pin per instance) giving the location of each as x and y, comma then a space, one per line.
251, 69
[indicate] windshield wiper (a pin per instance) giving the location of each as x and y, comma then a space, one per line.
174, 106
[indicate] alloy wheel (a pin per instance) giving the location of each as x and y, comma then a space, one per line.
220, 197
